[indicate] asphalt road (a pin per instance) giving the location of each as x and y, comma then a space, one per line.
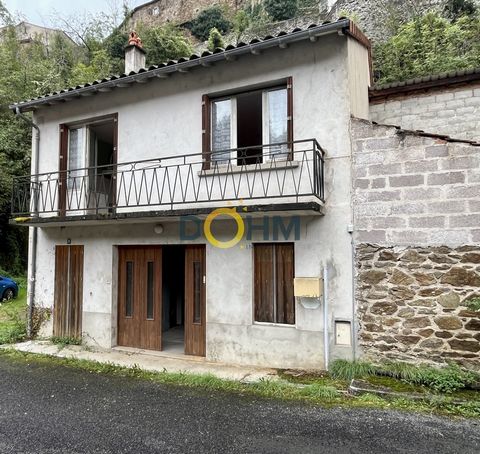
52, 409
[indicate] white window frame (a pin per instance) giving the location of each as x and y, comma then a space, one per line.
233, 120
82, 148
233, 125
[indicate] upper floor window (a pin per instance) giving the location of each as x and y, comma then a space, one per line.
87, 152
249, 128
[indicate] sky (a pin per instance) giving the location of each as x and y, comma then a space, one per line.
40, 11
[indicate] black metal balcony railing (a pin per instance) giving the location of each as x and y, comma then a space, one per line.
277, 171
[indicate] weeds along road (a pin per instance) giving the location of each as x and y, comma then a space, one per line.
56, 409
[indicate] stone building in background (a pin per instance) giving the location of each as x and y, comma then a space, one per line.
28, 33
161, 12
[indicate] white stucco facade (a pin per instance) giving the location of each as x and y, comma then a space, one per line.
163, 118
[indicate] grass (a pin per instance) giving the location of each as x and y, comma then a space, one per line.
446, 380
320, 390
63, 341
13, 315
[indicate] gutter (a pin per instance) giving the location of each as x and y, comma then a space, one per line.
255, 47
33, 269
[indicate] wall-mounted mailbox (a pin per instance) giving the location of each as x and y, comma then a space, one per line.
308, 291
309, 287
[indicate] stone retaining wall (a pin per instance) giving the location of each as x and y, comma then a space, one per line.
411, 303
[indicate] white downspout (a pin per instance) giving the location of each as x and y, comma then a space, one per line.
326, 324
33, 269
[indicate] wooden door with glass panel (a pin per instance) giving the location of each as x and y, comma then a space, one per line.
140, 297
195, 313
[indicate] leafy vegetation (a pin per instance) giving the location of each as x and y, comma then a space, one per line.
241, 21
13, 315
164, 43
281, 9
63, 341
209, 18
473, 304
215, 40
441, 380
429, 44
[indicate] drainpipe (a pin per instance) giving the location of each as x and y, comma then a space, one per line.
326, 335
33, 269
354, 307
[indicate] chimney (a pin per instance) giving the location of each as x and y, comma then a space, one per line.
134, 54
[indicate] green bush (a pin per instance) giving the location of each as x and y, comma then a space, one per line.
281, 9
443, 380
16, 332
209, 18
215, 40
448, 379
473, 304
429, 44
164, 43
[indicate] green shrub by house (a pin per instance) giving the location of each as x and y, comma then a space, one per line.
281, 9
209, 18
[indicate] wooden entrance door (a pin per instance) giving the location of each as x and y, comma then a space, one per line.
67, 307
140, 297
195, 313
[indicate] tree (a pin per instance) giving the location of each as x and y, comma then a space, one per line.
281, 9
5, 16
209, 18
100, 66
164, 43
215, 40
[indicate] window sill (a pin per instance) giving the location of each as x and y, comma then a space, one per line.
229, 170
280, 325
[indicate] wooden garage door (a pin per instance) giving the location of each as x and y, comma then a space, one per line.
67, 308
140, 297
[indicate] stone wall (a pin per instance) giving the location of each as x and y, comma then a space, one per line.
416, 204
411, 303
414, 190
162, 12
453, 111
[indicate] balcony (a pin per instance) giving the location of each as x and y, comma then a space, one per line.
275, 177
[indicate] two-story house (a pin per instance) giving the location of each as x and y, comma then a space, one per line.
203, 206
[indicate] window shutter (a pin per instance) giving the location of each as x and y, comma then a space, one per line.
290, 116
273, 283
284, 275
63, 167
263, 282
206, 128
